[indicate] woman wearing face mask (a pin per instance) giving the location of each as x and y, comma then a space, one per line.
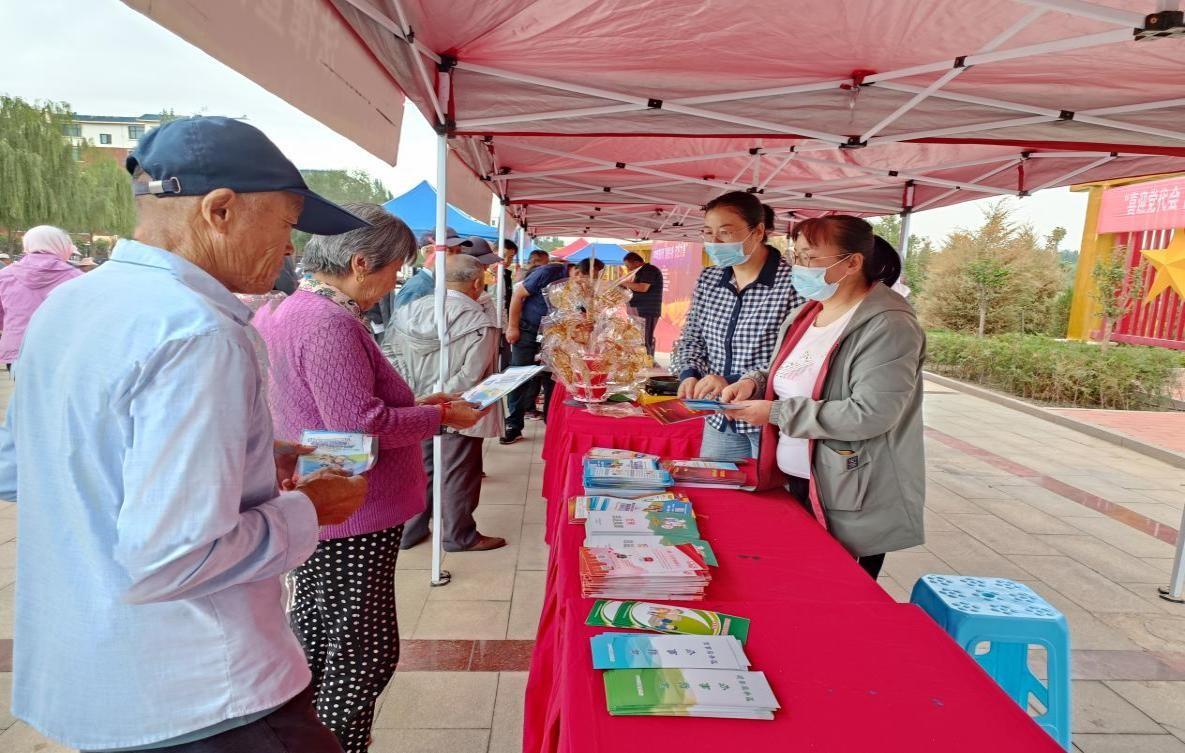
843, 411
732, 324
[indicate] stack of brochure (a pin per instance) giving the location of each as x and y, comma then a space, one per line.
634, 651
666, 618
580, 507
677, 573
637, 477
720, 693
713, 474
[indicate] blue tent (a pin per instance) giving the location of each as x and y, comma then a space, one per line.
610, 253
417, 208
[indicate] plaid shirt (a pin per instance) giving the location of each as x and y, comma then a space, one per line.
730, 333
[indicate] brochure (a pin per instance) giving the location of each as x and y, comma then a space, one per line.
630, 542
720, 693
673, 412
673, 524
498, 386
633, 651
655, 572
716, 478
580, 507
350, 452
665, 618
712, 406
607, 453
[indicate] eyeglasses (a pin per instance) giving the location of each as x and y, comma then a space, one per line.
806, 260
728, 235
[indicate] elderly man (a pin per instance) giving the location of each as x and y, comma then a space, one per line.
423, 283
413, 346
155, 521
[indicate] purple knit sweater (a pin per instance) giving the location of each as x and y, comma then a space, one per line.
327, 372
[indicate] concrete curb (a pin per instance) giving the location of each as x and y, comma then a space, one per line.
1170, 457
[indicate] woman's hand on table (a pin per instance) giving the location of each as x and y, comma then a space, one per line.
461, 415
742, 390
755, 412
709, 387
436, 398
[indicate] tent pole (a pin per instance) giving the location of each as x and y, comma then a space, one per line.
1175, 591
440, 577
906, 217
501, 283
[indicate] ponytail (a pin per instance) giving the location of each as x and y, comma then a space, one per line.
884, 264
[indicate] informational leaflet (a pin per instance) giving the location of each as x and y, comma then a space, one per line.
722, 693
609, 453
666, 618
678, 573
580, 507
634, 651
346, 451
669, 524
631, 542
498, 386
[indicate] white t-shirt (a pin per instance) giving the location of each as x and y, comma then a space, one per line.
796, 378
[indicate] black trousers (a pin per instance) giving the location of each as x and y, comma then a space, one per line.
461, 458
651, 322
292, 728
800, 488
344, 615
523, 353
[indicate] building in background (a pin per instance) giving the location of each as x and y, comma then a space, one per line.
117, 133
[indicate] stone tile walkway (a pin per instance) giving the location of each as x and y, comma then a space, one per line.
1085, 523
1164, 429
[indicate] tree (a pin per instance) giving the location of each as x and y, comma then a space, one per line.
918, 255
549, 244
1117, 288
37, 169
342, 186
987, 276
105, 203
1001, 265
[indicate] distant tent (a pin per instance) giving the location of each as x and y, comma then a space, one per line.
610, 253
571, 248
417, 208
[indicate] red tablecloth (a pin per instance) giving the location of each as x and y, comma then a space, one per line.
574, 430
852, 669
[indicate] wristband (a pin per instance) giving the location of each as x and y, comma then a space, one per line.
443, 414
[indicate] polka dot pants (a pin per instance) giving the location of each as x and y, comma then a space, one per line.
344, 614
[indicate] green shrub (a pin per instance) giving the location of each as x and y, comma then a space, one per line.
1062, 373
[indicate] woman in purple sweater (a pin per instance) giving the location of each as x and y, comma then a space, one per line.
327, 372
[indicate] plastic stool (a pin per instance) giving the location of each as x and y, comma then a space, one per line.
1010, 617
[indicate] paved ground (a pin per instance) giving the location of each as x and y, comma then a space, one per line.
1163, 429
1085, 523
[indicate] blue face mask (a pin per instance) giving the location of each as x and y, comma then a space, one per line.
811, 282
728, 254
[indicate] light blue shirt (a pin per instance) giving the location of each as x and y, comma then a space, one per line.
151, 536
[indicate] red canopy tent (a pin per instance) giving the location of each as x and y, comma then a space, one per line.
571, 248
622, 117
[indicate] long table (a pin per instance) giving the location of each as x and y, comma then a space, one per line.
852, 669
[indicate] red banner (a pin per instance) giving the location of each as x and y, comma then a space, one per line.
680, 263
1155, 205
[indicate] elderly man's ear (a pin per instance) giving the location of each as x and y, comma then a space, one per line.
216, 208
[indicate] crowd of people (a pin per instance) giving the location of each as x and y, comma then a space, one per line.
160, 441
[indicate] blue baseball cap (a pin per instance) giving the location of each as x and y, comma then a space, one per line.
194, 156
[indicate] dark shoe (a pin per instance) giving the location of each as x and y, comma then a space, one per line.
485, 543
512, 436
410, 543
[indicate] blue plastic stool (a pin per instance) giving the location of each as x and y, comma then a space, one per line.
1010, 617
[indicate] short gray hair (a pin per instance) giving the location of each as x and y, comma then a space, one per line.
388, 241
460, 269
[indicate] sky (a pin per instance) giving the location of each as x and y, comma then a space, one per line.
103, 58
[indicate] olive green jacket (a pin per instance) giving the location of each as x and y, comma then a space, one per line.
869, 462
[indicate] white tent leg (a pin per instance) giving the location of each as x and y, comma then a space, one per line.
501, 284
440, 577
906, 219
1175, 591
